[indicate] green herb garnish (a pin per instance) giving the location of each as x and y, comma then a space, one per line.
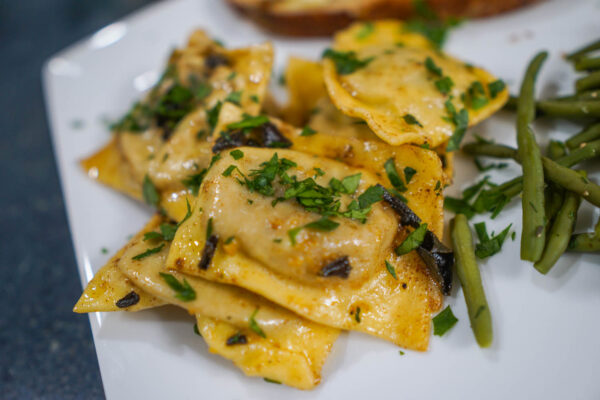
391, 269
413, 240
409, 172
393, 176
444, 321
184, 291
307, 131
151, 195
444, 85
432, 67
272, 381
248, 122
148, 252
254, 325
460, 121
496, 87
236, 154
357, 315
411, 120
488, 246
346, 62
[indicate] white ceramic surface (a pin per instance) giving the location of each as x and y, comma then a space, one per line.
545, 327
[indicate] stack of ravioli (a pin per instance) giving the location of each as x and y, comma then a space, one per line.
280, 226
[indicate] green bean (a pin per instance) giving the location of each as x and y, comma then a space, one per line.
584, 50
587, 63
570, 109
470, 279
532, 234
580, 154
572, 180
585, 95
556, 150
592, 81
560, 233
590, 132
586, 242
490, 150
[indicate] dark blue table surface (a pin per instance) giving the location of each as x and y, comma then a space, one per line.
46, 351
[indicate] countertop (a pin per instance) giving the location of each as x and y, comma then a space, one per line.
46, 350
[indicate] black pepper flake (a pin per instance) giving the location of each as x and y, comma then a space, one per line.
238, 338
338, 267
272, 137
404, 285
438, 257
214, 60
130, 299
208, 252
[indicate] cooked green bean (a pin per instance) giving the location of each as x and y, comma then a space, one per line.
586, 242
490, 150
572, 180
580, 154
587, 63
470, 279
586, 95
589, 133
584, 50
560, 233
570, 109
592, 81
532, 234
556, 150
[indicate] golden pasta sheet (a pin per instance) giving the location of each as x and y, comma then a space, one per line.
159, 135
406, 92
287, 271
111, 290
320, 114
261, 338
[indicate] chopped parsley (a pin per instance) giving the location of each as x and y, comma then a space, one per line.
307, 131
254, 325
236, 154
444, 321
488, 246
429, 24
475, 96
193, 182
372, 195
461, 122
196, 331
390, 268
209, 228
148, 252
409, 172
324, 224
496, 87
237, 338
308, 193
411, 120
234, 97
167, 232
412, 241
444, 85
229, 240
149, 192
346, 62
484, 168
183, 291
401, 352
365, 31
459, 206
357, 315
249, 122
212, 115
104, 250
254, 98
187, 214
393, 176
432, 67
231, 75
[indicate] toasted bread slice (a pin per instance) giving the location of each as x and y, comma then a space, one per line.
324, 17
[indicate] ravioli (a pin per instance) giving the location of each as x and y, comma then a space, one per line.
163, 135
110, 290
398, 93
397, 310
304, 79
293, 350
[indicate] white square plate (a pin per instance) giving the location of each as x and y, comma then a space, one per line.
545, 327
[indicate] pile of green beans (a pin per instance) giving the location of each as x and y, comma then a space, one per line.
551, 190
